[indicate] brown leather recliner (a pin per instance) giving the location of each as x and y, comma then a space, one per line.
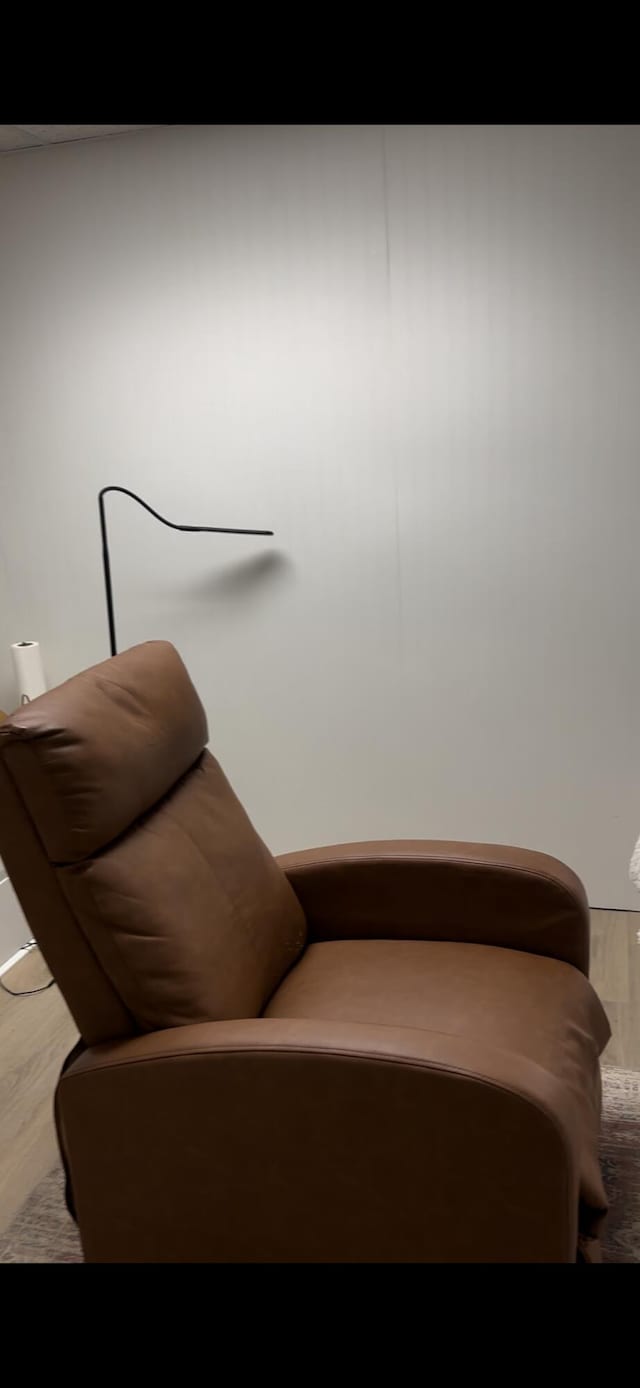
367, 1053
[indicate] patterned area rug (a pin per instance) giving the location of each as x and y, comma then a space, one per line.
43, 1232
620, 1155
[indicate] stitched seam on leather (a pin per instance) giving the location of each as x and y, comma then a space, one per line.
411, 1063
117, 941
225, 893
65, 901
93, 854
232, 906
431, 862
367, 1055
296, 1048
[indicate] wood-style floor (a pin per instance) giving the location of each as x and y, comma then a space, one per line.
37, 1032
615, 974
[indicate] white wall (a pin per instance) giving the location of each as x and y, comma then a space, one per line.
414, 354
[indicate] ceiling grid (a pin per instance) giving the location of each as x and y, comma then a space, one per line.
13, 137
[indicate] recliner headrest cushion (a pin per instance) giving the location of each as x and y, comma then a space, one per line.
138, 726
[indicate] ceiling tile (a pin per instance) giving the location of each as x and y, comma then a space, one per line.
13, 138
53, 134
29, 136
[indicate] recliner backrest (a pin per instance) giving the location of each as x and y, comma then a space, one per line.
153, 899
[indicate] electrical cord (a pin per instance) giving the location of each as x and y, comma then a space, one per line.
26, 992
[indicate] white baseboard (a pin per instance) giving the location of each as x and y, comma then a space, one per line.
19, 954
14, 931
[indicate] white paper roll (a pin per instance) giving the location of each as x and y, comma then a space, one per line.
29, 672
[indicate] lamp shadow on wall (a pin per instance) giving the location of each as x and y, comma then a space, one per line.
242, 581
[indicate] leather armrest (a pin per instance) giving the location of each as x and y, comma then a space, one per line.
432, 890
289, 1140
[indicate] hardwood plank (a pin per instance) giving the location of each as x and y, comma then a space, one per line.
36, 1033
629, 1024
609, 955
615, 974
612, 1053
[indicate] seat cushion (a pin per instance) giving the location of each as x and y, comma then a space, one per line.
527, 1004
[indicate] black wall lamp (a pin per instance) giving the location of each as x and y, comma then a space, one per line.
209, 529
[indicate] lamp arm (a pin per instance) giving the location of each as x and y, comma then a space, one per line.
106, 562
